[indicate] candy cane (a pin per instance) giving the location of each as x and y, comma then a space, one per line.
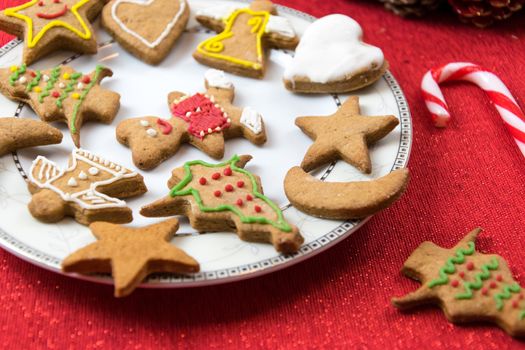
498, 93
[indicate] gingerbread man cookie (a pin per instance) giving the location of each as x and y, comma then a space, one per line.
345, 134
131, 254
62, 94
203, 120
16, 133
87, 190
146, 29
245, 35
226, 197
468, 285
50, 25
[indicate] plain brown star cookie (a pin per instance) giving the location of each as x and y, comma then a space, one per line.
16, 133
345, 134
131, 254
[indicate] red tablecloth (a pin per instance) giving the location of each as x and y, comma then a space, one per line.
470, 174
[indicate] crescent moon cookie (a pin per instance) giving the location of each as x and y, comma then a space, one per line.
225, 197
245, 34
50, 25
204, 120
343, 200
147, 29
131, 254
16, 133
345, 134
332, 58
87, 190
468, 285
62, 94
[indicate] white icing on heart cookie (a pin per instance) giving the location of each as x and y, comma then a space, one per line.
332, 49
162, 35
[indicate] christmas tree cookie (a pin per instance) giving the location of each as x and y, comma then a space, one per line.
468, 285
225, 197
62, 94
50, 25
205, 120
245, 34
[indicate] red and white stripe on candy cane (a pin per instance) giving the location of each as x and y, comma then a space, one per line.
498, 93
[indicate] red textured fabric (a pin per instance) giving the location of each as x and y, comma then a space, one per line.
470, 174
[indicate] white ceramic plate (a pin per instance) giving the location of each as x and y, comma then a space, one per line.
223, 257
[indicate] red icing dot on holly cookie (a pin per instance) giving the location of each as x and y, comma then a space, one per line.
249, 197
202, 181
257, 209
470, 266
454, 283
217, 193
240, 184
484, 291
499, 278
493, 285
216, 176
228, 188
239, 202
462, 274
86, 79
227, 171
515, 304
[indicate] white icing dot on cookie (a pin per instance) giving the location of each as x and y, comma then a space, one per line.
93, 171
151, 132
80, 86
144, 123
22, 80
61, 85
82, 175
45, 78
72, 182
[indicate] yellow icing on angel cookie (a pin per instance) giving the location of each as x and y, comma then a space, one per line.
214, 46
32, 41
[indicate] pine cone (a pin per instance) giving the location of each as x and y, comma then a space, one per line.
483, 13
407, 8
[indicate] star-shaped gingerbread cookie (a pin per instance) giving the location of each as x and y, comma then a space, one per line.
62, 94
16, 133
202, 120
50, 25
468, 285
345, 134
131, 254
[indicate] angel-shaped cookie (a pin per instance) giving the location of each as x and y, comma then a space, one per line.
203, 120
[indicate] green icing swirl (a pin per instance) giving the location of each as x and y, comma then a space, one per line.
178, 190
506, 294
449, 267
34, 82
15, 75
83, 95
478, 279
55, 74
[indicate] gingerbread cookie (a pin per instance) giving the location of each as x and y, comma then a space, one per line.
225, 197
332, 58
146, 29
245, 34
203, 120
345, 134
469, 286
62, 94
87, 190
131, 254
343, 200
16, 133
50, 25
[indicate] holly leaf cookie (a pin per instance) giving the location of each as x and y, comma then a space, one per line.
62, 94
345, 134
202, 120
225, 197
131, 254
16, 133
332, 58
88, 190
147, 29
50, 25
245, 34
466, 284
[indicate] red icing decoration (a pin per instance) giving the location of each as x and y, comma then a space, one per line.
461, 274
202, 181
204, 115
217, 193
56, 1
216, 176
53, 15
40, 3
240, 184
521, 297
470, 266
249, 197
515, 304
228, 188
55, 94
499, 278
228, 171
454, 283
239, 202
33, 74
484, 291
86, 79
258, 209
493, 285
164, 126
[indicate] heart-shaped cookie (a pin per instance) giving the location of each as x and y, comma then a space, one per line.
332, 58
146, 28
